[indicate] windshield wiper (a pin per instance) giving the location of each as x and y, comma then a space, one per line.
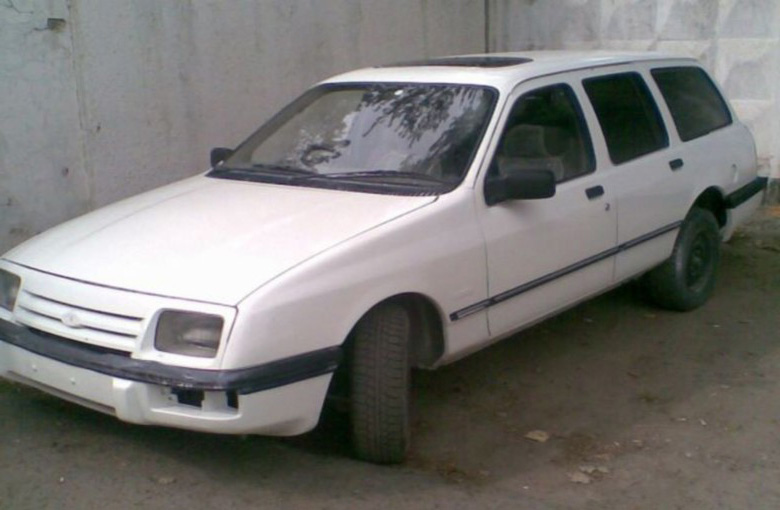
383, 174
264, 167
280, 173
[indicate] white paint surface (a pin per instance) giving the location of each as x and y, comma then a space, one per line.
236, 236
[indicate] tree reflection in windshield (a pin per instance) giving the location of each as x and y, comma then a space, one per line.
410, 128
415, 109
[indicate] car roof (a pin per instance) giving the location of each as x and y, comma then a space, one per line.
500, 70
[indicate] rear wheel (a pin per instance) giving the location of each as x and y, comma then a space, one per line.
380, 385
686, 280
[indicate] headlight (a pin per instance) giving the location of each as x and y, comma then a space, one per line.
9, 289
188, 333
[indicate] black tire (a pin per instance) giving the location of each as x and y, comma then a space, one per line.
686, 280
380, 385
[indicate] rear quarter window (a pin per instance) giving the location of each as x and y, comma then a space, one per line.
627, 114
693, 100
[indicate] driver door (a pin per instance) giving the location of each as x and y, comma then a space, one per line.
546, 254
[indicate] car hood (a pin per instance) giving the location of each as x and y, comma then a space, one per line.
207, 239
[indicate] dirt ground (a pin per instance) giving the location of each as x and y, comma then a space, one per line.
643, 408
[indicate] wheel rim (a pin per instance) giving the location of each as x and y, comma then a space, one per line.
699, 262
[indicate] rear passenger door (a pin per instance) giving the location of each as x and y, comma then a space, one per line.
645, 170
719, 150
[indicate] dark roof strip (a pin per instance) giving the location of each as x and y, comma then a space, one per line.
478, 61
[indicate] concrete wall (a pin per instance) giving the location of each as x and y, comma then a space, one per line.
739, 40
42, 176
126, 96
120, 97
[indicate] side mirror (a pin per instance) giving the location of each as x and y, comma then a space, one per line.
220, 154
525, 185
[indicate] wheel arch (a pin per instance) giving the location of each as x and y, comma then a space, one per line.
712, 199
427, 324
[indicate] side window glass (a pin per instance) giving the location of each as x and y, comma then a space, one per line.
545, 131
696, 105
627, 114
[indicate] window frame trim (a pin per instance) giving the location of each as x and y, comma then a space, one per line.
721, 97
374, 188
656, 108
581, 122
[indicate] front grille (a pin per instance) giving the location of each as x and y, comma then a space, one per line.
78, 323
79, 345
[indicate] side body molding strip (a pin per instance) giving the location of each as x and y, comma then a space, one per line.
520, 289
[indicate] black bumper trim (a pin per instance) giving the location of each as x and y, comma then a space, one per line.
746, 192
243, 380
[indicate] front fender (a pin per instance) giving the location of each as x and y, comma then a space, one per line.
436, 251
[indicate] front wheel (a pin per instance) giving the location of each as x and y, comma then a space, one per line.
686, 280
380, 385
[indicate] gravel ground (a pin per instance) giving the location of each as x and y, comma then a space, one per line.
642, 408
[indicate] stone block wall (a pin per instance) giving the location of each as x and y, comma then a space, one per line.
100, 100
738, 40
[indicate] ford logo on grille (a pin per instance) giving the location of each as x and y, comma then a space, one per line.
71, 320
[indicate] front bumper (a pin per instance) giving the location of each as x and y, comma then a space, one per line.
279, 398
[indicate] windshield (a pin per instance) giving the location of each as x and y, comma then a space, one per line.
407, 135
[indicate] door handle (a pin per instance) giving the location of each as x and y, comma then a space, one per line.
676, 164
594, 192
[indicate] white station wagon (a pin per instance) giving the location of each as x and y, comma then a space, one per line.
390, 218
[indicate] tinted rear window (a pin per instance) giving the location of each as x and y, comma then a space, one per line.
695, 104
627, 114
